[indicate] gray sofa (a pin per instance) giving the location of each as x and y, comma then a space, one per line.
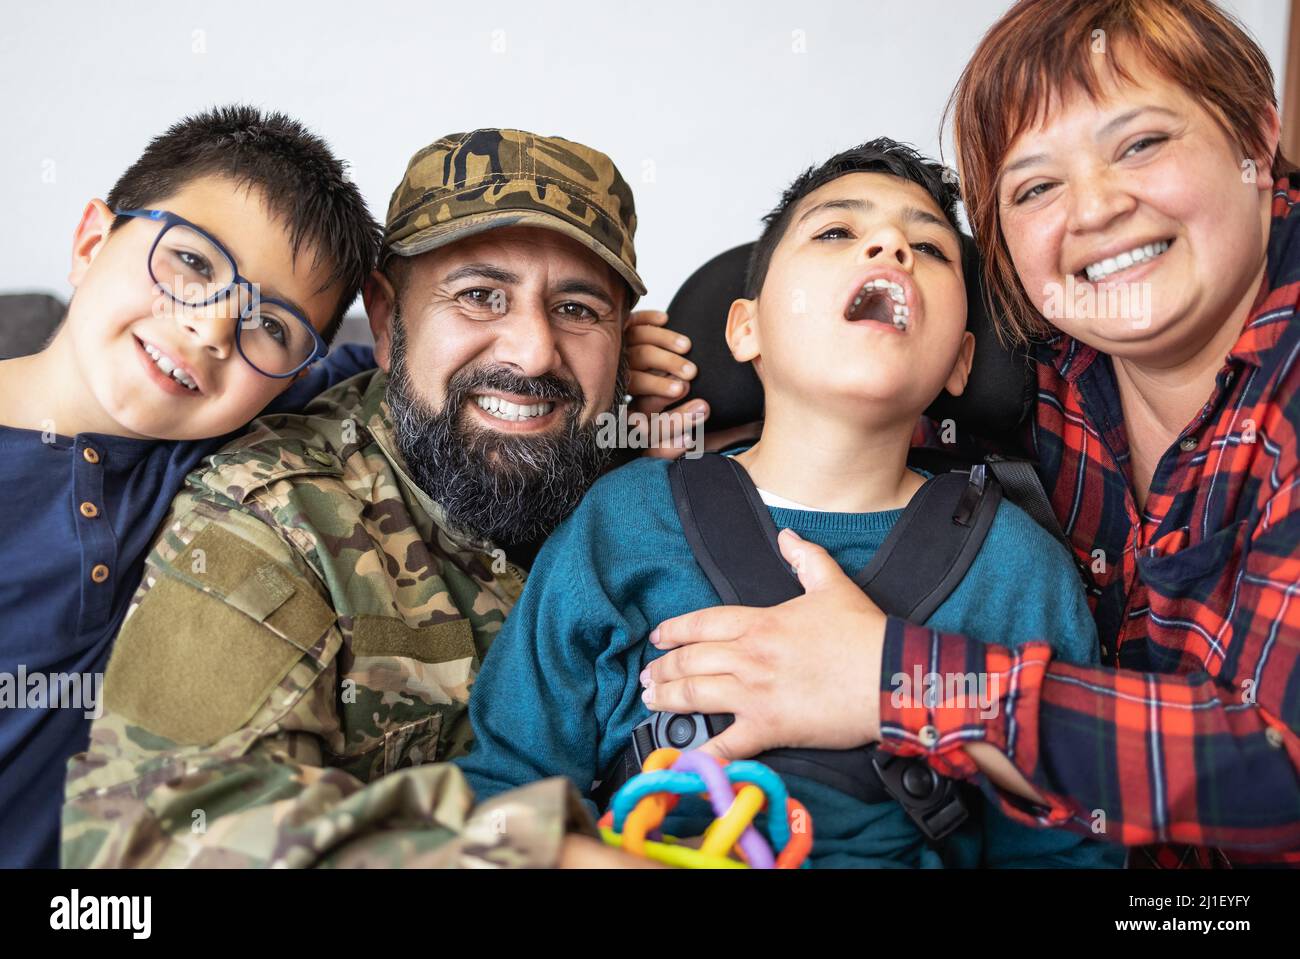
27, 320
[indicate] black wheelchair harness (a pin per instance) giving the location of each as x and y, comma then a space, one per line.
920, 563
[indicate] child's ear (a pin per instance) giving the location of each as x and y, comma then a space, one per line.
742, 330
378, 295
960, 374
89, 238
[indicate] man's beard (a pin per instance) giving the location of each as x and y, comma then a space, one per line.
506, 487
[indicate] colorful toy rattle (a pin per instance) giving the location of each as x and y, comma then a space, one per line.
737, 791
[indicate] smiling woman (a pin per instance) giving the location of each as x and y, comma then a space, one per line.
1140, 154
1192, 80
1127, 149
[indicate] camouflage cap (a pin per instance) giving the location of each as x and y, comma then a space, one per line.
467, 183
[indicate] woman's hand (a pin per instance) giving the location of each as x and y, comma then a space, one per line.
804, 673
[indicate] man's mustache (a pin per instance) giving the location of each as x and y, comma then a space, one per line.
548, 386
504, 487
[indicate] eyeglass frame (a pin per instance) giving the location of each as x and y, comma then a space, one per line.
238, 281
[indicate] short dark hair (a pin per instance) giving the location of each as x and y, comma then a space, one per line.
881, 155
301, 179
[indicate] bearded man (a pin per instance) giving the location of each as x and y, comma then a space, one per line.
296, 665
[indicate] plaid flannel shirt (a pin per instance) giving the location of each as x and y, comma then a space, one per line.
1186, 737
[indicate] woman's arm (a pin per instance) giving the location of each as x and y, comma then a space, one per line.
1154, 757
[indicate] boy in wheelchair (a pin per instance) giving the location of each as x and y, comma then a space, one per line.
854, 319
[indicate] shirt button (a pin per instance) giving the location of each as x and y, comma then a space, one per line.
89, 455
89, 510
1187, 444
1274, 737
99, 573
928, 735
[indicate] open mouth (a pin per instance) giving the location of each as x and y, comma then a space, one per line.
502, 409
880, 301
1110, 266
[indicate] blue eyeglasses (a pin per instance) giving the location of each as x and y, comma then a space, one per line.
191, 267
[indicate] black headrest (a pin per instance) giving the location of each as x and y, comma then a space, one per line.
998, 397
27, 321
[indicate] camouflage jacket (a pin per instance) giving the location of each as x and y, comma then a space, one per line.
296, 665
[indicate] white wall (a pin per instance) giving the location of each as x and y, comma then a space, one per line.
709, 108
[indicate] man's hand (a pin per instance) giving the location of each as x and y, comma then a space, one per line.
583, 852
659, 376
804, 673
660, 373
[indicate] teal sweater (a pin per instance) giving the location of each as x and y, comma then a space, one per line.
559, 693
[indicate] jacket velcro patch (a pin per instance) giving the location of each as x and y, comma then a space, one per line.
211, 640
439, 643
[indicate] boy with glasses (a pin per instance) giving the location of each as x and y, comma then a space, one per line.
216, 273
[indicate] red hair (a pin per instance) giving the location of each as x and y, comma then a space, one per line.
1043, 48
